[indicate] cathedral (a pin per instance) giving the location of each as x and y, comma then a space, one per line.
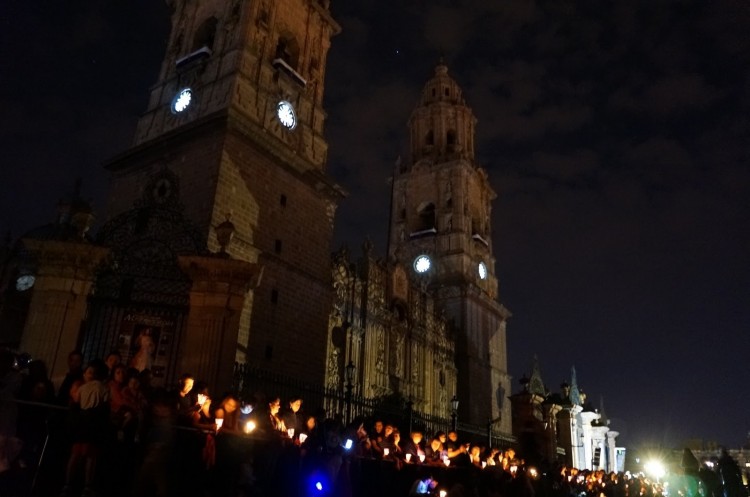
215, 246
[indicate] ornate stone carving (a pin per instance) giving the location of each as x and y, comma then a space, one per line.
415, 363
380, 360
332, 374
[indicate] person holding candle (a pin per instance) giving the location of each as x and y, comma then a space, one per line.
413, 448
434, 452
377, 437
292, 417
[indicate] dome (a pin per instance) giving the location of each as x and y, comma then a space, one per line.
441, 88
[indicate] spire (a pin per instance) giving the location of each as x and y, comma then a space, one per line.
536, 385
575, 393
442, 125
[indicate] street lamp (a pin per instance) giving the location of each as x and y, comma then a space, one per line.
454, 412
350, 370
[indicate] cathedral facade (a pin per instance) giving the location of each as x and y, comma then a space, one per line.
215, 247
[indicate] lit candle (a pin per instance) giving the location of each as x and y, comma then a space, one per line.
302, 437
484, 464
219, 422
249, 426
421, 457
386, 451
446, 461
408, 457
290, 432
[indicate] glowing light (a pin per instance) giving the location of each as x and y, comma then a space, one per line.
386, 451
655, 468
422, 264
219, 422
286, 115
446, 461
182, 100
421, 457
246, 409
290, 432
302, 437
319, 486
348, 444
443, 493
408, 457
482, 268
249, 426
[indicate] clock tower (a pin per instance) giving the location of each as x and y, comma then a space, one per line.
441, 229
236, 118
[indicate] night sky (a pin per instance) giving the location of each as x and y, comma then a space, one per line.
616, 134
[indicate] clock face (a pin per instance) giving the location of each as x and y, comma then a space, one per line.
25, 282
286, 115
422, 264
181, 100
482, 269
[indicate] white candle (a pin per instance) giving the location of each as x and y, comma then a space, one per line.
219, 422
302, 437
421, 457
290, 432
386, 451
408, 457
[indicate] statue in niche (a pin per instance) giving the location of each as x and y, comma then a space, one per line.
380, 361
333, 369
415, 364
397, 359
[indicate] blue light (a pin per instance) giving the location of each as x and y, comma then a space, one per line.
348, 444
319, 486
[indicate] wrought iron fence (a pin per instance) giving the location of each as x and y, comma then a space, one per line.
257, 385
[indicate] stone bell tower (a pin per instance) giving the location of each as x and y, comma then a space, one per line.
237, 116
441, 229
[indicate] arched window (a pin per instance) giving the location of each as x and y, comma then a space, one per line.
429, 138
426, 217
475, 226
287, 49
451, 137
205, 35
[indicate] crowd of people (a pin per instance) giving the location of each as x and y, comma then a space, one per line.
115, 434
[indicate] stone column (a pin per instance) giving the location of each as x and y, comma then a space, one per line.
569, 435
64, 277
219, 288
612, 452
552, 436
587, 450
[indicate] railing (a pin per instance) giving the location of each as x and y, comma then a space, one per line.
251, 383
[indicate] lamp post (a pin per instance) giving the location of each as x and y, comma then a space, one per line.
350, 370
454, 412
